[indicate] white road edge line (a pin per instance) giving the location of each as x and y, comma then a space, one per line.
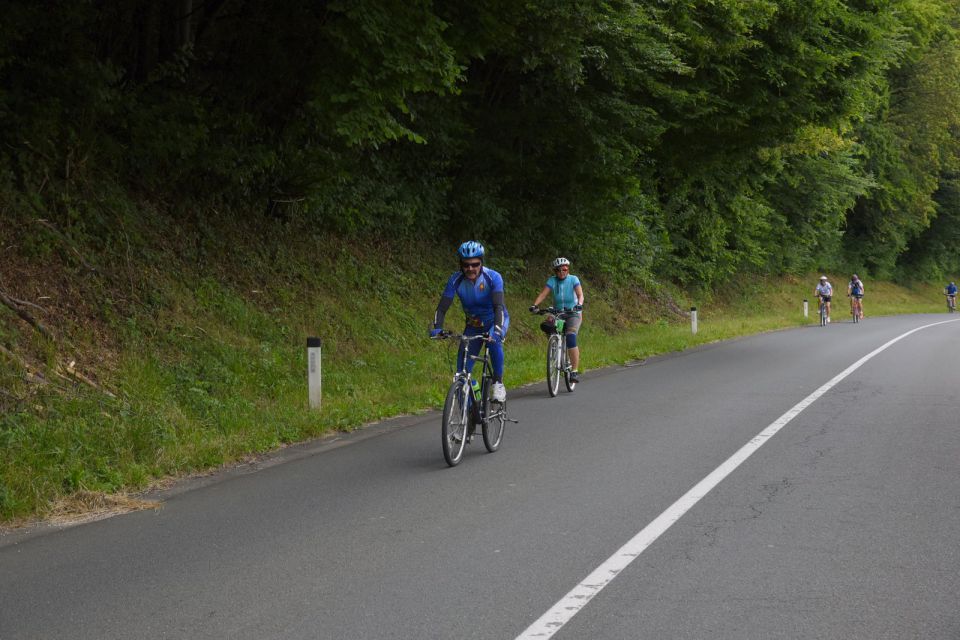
570, 605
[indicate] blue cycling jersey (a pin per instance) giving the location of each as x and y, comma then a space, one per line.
477, 297
951, 289
564, 296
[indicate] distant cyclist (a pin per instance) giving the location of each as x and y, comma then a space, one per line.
855, 293
567, 294
951, 292
480, 290
824, 292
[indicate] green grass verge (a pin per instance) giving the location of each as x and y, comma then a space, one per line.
215, 369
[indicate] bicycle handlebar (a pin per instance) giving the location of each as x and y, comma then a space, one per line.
554, 311
445, 335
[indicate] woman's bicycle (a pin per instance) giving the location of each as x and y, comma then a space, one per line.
856, 308
469, 403
558, 361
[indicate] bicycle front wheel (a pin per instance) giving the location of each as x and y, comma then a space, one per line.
553, 365
494, 417
455, 422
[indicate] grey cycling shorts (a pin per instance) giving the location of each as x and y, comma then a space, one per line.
572, 324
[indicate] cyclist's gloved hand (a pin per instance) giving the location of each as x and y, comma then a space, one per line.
534, 308
436, 331
497, 334
578, 307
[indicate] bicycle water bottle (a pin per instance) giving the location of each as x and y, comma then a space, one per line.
475, 385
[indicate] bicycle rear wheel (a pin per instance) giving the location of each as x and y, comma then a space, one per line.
494, 418
553, 365
823, 315
455, 423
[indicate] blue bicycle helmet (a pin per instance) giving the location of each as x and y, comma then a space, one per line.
470, 249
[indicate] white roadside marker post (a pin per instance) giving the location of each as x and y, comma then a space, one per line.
693, 320
805, 308
313, 372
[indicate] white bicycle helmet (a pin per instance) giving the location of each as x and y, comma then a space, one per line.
560, 262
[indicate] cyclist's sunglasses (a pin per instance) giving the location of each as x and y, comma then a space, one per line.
563, 268
470, 265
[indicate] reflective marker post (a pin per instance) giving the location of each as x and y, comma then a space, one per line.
804, 307
313, 372
693, 320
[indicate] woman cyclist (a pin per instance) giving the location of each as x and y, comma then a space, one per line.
567, 294
855, 293
480, 290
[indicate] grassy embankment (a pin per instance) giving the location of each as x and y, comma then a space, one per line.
207, 358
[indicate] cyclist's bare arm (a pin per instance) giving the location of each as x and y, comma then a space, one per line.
543, 294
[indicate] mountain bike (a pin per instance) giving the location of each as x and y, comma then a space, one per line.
558, 360
469, 402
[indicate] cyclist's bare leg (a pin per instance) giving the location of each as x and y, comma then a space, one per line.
827, 305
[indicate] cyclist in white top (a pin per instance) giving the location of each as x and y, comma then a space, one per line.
824, 292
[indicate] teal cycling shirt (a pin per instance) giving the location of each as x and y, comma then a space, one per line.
477, 297
564, 296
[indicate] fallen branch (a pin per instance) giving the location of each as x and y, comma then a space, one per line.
76, 375
27, 303
10, 302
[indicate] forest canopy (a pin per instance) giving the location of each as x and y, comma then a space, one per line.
681, 140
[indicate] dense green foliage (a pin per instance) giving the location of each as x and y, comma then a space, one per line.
683, 140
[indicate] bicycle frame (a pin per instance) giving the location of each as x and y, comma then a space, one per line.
467, 376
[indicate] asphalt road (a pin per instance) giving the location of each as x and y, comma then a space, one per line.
844, 524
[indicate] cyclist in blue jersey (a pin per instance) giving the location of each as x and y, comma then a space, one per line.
855, 293
481, 294
951, 292
567, 294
